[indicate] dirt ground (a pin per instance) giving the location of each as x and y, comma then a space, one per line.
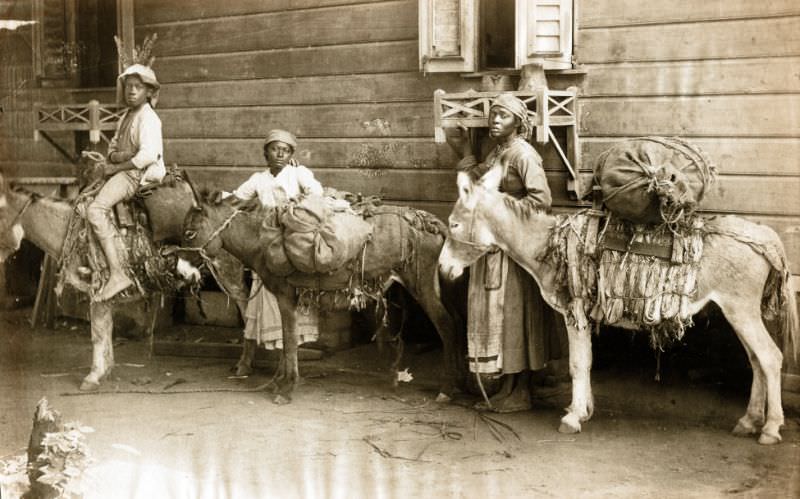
348, 433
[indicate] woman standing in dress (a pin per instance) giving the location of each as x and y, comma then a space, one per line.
509, 324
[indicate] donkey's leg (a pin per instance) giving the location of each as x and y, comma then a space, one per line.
580, 365
454, 371
288, 371
753, 419
244, 366
745, 318
102, 324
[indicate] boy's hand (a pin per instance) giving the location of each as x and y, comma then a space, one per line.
120, 157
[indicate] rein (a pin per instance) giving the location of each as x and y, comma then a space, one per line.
221, 228
21, 211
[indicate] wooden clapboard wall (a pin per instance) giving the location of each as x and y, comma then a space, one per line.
19, 154
21, 88
341, 74
724, 74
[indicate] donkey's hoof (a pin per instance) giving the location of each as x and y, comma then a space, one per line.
568, 428
443, 398
569, 425
89, 386
766, 439
280, 399
743, 430
243, 370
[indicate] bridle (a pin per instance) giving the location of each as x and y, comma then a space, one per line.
22, 210
470, 243
225, 224
207, 261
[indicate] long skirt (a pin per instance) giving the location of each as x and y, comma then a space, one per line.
263, 319
510, 327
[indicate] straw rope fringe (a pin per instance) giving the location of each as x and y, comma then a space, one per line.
610, 286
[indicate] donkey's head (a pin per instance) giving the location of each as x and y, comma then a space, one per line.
11, 232
470, 234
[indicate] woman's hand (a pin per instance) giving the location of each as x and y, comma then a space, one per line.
459, 141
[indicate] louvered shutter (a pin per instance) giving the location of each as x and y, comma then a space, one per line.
447, 35
544, 33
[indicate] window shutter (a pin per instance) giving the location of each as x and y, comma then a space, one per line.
544, 33
447, 35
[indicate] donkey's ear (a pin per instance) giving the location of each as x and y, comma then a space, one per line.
464, 182
491, 179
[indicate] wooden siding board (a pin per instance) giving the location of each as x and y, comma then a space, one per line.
316, 153
769, 37
599, 13
737, 76
337, 89
26, 149
755, 195
743, 116
13, 169
767, 157
353, 24
364, 120
383, 57
161, 11
430, 185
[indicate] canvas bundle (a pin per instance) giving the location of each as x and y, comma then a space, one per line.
318, 239
83, 264
361, 279
653, 180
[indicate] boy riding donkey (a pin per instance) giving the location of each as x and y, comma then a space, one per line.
135, 158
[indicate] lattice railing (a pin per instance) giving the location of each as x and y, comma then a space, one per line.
546, 109
92, 117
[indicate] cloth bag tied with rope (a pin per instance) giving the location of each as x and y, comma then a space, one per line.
652, 180
318, 239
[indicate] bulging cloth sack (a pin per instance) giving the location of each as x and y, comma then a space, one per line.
318, 239
652, 180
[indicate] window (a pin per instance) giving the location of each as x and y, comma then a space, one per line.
479, 35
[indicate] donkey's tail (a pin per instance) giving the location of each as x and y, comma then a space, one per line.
790, 326
779, 302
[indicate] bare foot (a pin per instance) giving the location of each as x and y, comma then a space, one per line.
514, 396
116, 283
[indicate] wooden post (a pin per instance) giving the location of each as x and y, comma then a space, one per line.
574, 148
126, 33
94, 121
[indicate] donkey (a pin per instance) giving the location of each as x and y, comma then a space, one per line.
731, 274
220, 225
44, 222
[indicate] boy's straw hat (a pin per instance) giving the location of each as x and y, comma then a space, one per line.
139, 65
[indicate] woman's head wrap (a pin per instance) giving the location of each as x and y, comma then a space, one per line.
281, 135
518, 108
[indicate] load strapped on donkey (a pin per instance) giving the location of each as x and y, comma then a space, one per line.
652, 273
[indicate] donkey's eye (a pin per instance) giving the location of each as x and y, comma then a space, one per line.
454, 225
190, 234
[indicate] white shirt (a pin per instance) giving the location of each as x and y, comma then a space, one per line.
145, 138
292, 180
